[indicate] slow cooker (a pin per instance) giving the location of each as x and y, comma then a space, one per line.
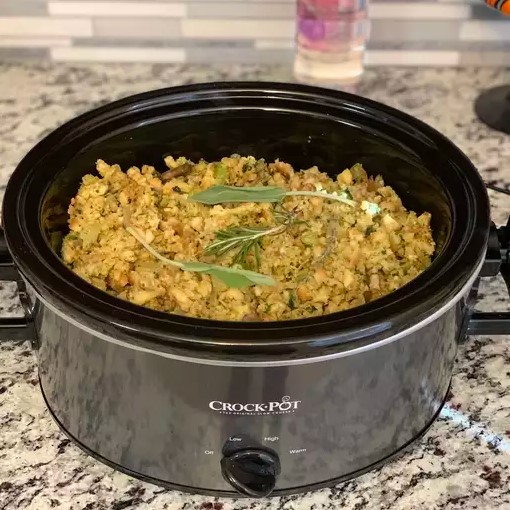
229, 408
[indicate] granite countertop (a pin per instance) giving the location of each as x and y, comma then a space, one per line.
463, 461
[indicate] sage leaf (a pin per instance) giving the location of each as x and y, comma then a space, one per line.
230, 276
225, 194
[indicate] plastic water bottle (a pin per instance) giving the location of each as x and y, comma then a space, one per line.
330, 39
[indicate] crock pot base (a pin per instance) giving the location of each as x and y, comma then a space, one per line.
231, 494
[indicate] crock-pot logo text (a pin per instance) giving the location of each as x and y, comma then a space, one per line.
285, 406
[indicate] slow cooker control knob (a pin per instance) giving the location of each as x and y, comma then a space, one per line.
251, 472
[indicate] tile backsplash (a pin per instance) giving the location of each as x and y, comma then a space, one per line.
404, 32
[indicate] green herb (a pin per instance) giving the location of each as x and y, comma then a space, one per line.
232, 277
284, 216
246, 240
221, 194
332, 238
347, 193
220, 172
305, 277
247, 166
309, 238
369, 230
357, 171
322, 194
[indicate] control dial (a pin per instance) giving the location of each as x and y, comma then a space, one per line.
252, 472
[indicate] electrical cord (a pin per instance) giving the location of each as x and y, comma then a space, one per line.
493, 187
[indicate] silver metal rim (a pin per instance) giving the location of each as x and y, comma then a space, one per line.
279, 363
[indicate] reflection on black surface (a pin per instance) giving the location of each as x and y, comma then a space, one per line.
151, 414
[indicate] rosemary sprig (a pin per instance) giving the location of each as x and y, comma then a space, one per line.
221, 194
232, 277
246, 240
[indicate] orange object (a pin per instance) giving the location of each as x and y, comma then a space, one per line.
500, 5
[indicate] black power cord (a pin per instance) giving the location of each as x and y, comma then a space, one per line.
493, 187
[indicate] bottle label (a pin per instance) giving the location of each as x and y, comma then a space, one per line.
323, 25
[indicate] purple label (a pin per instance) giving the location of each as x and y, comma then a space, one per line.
313, 29
330, 21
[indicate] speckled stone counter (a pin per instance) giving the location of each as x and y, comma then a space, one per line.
462, 462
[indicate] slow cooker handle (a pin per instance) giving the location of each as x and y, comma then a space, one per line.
13, 328
497, 261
